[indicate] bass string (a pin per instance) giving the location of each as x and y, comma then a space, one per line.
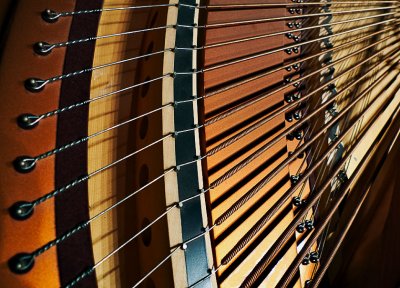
289, 273
239, 166
208, 46
158, 218
31, 161
142, 231
278, 204
271, 116
45, 48
261, 265
291, 269
356, 130
75, 182
355, 133
33, 120
55, 15
320, 273
106, 167
36, 84
329, 166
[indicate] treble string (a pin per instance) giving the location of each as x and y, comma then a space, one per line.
28, 163
321, 272
355, 133
52, 16
37, 84
289, 230
294, 266
313, 199
28, 120
174, 134
84, 225
278, 204
25, 208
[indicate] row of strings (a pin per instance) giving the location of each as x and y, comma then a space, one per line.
383, 25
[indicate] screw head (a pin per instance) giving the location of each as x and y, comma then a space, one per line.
296, 201
300, 228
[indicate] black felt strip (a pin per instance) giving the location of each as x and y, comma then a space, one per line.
75, 254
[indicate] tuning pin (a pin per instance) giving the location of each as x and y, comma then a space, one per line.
288, 51
306, 260
290, 24
329, 72
294, 179
300, 228
314, 257
297, 38
289, 117
297, 96
309, 224
297, 114
330, 87
307, 283
328, 45
298, 134
332, 109
288, 79
289, 69
296, 50
289, 98
298, 24
299, 10
291, 10
342, 176
296, 201
296, 66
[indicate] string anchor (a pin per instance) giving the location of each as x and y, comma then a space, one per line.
296, 201
50, 16
301, 227
24, 164
35, 84
28, 121
289, 117
306, 260
309, 224
314, 257
21, 263
21, 210
43, 48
